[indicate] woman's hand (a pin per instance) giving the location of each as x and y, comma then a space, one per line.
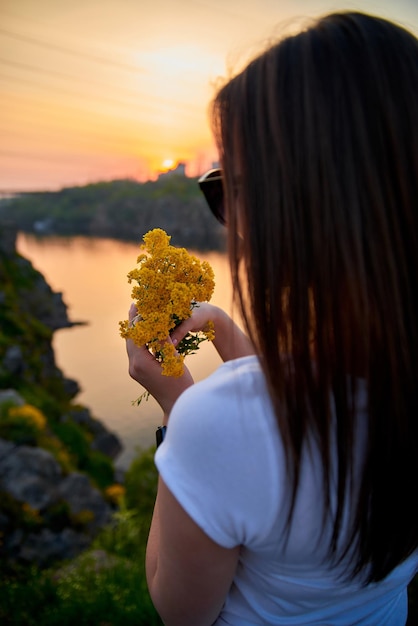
230, 341
146, 370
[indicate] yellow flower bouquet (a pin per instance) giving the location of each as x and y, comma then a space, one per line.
170, 283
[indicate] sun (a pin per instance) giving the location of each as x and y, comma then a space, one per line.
167, 164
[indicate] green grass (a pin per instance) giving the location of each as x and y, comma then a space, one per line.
105, 586
98, 588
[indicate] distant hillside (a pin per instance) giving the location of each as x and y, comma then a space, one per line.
122, 209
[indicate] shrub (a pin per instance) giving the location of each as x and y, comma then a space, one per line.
21, 424
99, 467
115, 494
105, 586
141, 482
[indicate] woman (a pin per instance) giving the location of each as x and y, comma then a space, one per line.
287, 490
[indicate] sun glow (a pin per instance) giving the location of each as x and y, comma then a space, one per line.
107, 104
167, 164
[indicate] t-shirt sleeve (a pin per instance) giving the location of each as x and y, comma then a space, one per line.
220, 458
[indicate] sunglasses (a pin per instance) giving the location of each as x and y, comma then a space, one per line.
212, 187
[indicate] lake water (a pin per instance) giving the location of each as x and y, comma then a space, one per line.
91, 274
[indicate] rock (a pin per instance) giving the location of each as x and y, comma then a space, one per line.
4, 522
83, 417
104, 441
13, 360
108, 444
10, 395
33, 477
40, 301
32, 490
29, 474
81, 496
71, 387
120, 475
6, 448
50, 370
45, 547
12, 542
45, 515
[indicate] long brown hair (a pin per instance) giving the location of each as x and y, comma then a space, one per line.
319, 138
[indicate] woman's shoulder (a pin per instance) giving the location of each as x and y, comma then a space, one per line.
221, 435
238, 380
234, 374
234, 394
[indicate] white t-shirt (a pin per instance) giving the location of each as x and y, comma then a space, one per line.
224, 462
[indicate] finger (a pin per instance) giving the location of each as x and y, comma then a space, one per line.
133, 312
141, 361
143, 370
181, 331
169, 340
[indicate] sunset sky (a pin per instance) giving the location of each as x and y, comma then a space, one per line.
102, 89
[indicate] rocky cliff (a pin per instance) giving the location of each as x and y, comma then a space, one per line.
56, 469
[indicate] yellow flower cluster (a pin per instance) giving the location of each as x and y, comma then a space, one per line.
115, 493
29, 414
82, 518
170, 283
30, 514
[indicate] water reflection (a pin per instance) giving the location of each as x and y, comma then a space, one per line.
91, 274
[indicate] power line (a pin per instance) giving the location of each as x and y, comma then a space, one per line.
50, 46
204, 28
90, 137
51, 112
13, 154
92, 134
120, 103
23, 119
86, 134
66, 77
